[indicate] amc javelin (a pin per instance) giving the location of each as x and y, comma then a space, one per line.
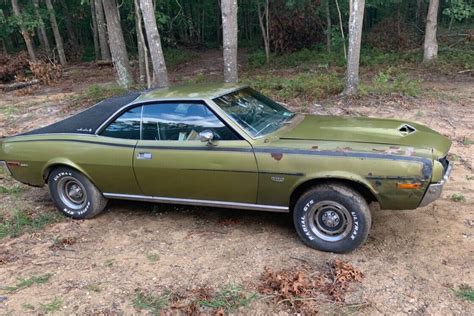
231, 147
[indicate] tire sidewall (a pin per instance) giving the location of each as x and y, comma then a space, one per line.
53, 180
360, 222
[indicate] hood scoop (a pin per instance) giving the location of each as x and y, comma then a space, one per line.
406, 129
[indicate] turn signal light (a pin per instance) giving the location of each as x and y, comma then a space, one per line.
408, 185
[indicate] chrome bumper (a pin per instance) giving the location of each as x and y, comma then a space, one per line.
4, 166
435, 189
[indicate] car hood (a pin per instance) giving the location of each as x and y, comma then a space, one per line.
369, 130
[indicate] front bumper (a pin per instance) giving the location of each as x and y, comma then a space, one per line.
435, 189
4, 166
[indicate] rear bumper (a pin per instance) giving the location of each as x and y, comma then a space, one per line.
4, 166
435, 189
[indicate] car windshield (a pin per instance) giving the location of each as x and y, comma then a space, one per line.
254, 112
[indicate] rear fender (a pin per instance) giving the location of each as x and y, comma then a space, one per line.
61, 162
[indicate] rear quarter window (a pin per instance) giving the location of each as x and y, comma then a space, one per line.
126, 126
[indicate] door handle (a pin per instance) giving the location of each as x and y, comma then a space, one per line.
144, 156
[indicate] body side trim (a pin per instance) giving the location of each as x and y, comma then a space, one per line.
234, 205
427, 163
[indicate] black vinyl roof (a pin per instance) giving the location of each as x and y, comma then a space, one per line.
88, 121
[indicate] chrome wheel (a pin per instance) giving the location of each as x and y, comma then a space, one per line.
72, 193
330, 221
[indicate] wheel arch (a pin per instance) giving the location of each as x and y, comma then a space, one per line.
57, 163
363, 188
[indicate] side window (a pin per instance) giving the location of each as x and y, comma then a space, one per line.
126, 126
182, 122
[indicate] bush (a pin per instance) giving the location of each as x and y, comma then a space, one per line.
302, 57
314, 86
452, 60
386, 82
390, 34
176, 56
95, 93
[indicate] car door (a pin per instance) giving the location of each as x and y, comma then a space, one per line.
171, 161
109, 157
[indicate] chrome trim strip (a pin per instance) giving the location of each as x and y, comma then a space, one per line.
447, 173
434, 190
51, 134
4, 166
234, 205
110, 118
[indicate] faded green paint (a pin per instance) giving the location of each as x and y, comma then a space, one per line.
189, 92
370, 152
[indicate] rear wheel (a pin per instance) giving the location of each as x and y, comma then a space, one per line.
74, 194
332, 217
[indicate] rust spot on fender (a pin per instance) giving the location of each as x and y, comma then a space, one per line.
277, 156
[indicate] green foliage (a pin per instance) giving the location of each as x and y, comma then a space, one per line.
466, 141
229, 299
458, 197
388, 82
52, 306
13, 190
308, 85
153, 304
300, 58
153, 257
459, 9
24, 283
466, 292
21, 222
450, 60
6, 25
96, 92
175, 56
27, 306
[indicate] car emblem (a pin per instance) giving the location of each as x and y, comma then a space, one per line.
278, 179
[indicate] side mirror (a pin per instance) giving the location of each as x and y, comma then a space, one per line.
206, 136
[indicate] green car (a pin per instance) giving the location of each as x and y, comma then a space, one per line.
229, 146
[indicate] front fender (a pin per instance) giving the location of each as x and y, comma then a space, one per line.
335, 175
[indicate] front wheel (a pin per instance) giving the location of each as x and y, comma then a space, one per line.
332, 217
74, 194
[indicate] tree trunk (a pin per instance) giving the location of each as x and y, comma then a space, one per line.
43, 36
430, 47
342, 29
4, 47
102, 30
57, 35
24, 31
117, 44
420, 14
355, 35
143, 65
263, 20
71, 34
95, 33
160, 78
230, 40
328, 26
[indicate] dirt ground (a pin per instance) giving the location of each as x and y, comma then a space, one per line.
413, 261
